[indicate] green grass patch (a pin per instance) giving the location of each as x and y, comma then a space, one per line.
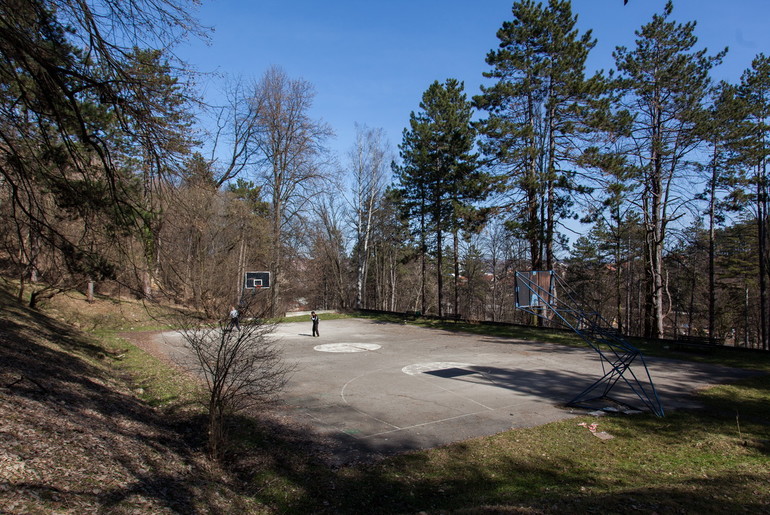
306, 318
686, 463
512, 331
158, 383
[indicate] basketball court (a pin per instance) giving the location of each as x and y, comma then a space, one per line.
370, 388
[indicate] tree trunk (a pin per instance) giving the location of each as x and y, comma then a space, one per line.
618, 283
439, 271
550, 221
762, 214
655, 232
712, 247
277, 237
457, 274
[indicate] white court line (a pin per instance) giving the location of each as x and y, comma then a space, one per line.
346, 347
422, 368
417, 366
342, 395
423, 424
457, 394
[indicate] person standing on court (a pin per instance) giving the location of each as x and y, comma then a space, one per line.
314, 319
234, 319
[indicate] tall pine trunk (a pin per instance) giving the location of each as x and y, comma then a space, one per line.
712, 245
457, 274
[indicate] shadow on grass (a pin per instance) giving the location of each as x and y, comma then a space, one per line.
63, 413
290, 477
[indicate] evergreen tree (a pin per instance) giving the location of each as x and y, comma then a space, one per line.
737, 273
536, 109
589, 269
754, 91
393, 256
662, 84
722, 131
439, 175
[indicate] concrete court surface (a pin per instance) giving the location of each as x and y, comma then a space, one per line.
373, 388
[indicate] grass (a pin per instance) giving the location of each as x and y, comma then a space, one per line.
306, 318
156, 382
714, 460
686, 463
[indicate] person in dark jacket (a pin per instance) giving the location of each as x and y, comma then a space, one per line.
314, 319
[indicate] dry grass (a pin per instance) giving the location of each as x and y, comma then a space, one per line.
75, 437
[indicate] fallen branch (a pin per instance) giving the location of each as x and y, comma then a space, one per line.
22, 378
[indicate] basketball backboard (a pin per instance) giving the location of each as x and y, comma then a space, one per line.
256, 280
534, 289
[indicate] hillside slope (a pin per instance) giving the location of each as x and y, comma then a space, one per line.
74, 438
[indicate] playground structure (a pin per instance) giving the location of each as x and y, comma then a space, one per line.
545, 295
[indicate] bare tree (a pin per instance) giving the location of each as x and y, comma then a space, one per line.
234, 142
209, 238
242, 366
370, 159
330, 271
496, 239
294, 164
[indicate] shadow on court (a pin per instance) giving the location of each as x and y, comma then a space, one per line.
366, 389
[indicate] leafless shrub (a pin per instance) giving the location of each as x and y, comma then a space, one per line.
242, 366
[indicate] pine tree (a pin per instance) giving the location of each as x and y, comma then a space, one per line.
536, 109
722, 132
663, 83
439, 176
754, 91
393, 256
737, 272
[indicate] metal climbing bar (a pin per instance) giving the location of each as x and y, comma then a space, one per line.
545, 295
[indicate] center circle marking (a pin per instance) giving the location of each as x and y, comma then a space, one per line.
346, 347
420, 368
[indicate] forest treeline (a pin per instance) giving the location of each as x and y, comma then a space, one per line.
110, 183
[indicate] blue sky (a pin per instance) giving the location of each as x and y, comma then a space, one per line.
370, 62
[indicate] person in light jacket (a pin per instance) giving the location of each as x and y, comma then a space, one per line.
234, 315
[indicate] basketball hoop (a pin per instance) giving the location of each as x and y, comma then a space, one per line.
256, 280
536, 295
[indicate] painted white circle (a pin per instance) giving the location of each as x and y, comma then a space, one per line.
346, 347
421, 368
